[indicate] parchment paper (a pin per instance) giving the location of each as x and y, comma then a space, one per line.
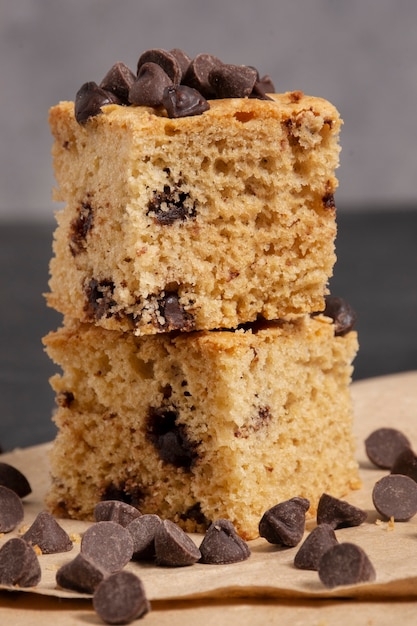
269, 573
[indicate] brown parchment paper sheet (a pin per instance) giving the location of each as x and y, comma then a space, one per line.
269, 572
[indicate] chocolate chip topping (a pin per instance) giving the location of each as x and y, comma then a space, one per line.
115, 511
406, 464
48, 535
169, 438
342, 314
314, 546
197, 75
183, 101
143, 530
262, 87
173, 547
149, 87
120, 599
89, 100
166, 60
395, 496
284, 523
233, 81
183, 60
80, 574
11, 509
345, 564
13, 478
384, 445
172, 79
118, 80
222, 544
338, 513
108, 545
19, 564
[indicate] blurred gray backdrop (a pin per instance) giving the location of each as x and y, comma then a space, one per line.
359, 54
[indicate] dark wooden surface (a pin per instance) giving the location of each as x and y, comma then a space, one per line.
376, 272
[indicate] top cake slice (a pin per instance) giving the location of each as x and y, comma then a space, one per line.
201, 222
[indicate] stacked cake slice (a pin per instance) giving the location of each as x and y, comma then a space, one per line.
191, 261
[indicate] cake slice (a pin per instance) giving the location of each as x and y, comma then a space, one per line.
201, 222
201, 425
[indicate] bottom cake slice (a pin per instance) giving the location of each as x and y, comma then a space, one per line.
197, 426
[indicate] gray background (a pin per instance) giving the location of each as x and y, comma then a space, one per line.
359, 54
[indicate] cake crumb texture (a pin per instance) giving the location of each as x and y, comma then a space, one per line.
202, 425
158, 213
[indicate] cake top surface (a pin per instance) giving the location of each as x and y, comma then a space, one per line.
171, 84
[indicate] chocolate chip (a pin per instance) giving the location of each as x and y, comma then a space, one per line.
120, 599
262, 87
315, 545
118, 81
89, 100
174, 314
143, 531
80, 574
222, 544
79, 229
342, 314
169, 438
173, 547
108, 545
183, 101
406, 464
338, 513
284, 523
166, 60
328, 201
65, 399
19, 564
148, 89
195, 514
171, 205
48, 535
345, 564
182, 59
197, 75
233, 81
395, 496
384, 445
115, 511
125, 492
13, 478
99, 298
11, 509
